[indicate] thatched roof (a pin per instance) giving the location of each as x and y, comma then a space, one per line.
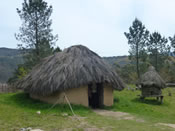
152, 78
74, 67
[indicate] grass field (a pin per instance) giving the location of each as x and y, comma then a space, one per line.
17, 111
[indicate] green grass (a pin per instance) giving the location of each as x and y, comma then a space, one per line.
150, 108
17, 111
24, 102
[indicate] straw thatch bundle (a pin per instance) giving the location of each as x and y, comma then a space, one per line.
152, 79
74, 67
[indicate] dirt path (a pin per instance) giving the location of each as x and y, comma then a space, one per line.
166, 124
126, 116
118, 115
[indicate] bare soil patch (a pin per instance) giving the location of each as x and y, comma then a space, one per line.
167, 124
118, 115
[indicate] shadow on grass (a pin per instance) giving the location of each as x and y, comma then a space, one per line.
147, 101
116, 100
23, 100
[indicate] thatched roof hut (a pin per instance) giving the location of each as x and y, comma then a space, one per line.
73, 68
151, 84
152, 78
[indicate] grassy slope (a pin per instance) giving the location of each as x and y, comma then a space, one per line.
17, 110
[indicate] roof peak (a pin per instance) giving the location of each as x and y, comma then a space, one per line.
151, 68
79, 50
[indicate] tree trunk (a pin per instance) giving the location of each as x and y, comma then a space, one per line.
36, 36
137, 60
156, 60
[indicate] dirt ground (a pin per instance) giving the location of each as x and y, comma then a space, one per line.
127, 116
118, 115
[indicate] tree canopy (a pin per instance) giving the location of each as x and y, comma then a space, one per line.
137, 38
35, 32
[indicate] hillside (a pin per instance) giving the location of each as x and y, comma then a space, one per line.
119, 60
9, 59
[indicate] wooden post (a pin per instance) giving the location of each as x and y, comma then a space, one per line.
69, 104
161, 98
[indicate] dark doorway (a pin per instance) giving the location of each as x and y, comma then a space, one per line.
95, 94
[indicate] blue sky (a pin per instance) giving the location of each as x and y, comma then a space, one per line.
97, 24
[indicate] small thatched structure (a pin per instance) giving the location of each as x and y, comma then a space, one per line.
151, 83
77, 72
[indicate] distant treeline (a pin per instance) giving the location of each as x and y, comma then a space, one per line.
10, 58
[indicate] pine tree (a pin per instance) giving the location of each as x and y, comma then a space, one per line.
137, 38
172, 40
158, 49
35, 33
